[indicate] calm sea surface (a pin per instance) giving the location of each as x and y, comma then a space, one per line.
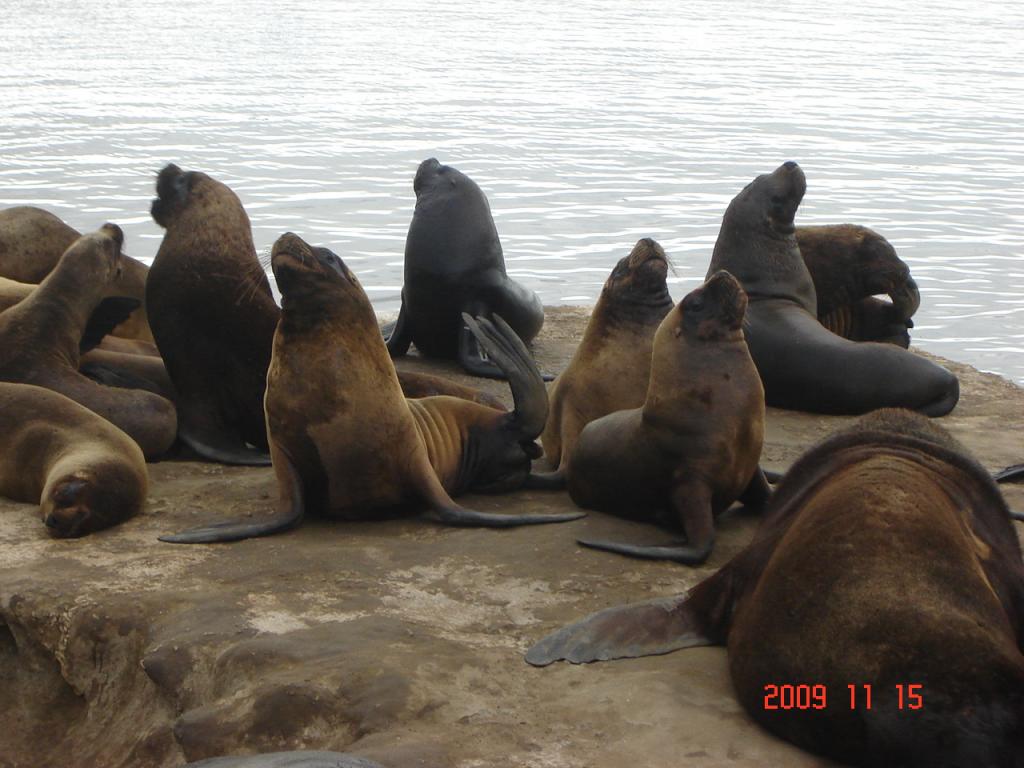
588, 125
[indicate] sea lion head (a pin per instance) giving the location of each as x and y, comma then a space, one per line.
315, 281
770, 201
98, 254
639, 278
86, 501
715, 310
178, 191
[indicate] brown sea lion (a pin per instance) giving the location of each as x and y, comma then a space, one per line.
84, 472
803, 365
344, 440
611, 367
41, 338
454, 265
693, 448
33, 240
885, 559
850, 266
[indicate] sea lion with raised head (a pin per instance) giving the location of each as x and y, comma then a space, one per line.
33, 240
611, 367
851, 265
454, 265
346, 443
693, 448
85, 473
41, 338
886, 561
803, 365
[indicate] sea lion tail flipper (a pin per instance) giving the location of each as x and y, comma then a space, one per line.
400, 336
290, 511
546, 481
1011, 474
650, 628
504, 347
109, 314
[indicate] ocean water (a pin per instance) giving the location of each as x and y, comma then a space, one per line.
588, 124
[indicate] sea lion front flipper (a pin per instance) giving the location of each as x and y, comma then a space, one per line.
109, 314
546, 481
504, 347
291, 508
757, 492
1011, 474
400, 338
650, 628
201, 429
1019, 516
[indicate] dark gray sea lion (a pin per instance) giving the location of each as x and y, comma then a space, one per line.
693, 448
297, 759
803, 365
885, 559
85, 473
33, 240
41, 338
454, 264
851, 265
611, 367
347, 444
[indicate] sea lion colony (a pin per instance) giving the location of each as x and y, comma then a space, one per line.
659, 417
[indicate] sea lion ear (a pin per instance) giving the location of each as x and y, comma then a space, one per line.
650, 628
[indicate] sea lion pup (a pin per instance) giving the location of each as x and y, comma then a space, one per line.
692, 449
803, 365
454, 265
886, 558
33, 240
85, 473
347, 444
850, 266
611, 367
42, 335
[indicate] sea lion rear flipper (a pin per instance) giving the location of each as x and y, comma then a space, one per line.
1011, 474
109, 314
473, 358
290, 510
400, 337
112, 377
650, 628
504, 347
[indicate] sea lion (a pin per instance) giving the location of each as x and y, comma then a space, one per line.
33, 240
85, 473
42, 335
851, 265
454, 265
346, 443
693, 448
611, 367
886, 558
803, 365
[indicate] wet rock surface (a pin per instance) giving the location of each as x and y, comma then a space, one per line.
397, 641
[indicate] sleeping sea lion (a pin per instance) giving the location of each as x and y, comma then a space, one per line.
850, 266
803, 365
345, 442
611, 367
33, 240
454, 265
42, 335
693, 448
885, 559
84, 472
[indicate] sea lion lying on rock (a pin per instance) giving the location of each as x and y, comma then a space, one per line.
885, 563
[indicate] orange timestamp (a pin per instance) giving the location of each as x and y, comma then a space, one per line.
806, 696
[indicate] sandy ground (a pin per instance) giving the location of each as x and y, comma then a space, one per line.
399, 641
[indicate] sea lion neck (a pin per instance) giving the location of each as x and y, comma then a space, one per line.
631, 309
309, 305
